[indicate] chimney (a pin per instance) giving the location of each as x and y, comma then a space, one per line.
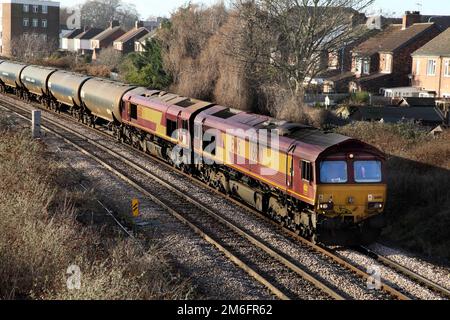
139, 24
114, 23
410, 18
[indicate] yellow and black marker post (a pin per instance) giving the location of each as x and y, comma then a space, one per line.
135, 207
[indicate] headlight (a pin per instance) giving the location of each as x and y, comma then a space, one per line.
376, 205
326, 206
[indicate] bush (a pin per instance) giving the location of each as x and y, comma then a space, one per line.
146, 68
360, 97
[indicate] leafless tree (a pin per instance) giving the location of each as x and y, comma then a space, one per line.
110, 57
99, 13
286, 39
32, 47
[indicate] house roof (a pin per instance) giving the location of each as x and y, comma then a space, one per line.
106, 33
418, 102
147, 36
396, 114
73, 33
89, 34
439, 46
391, 39
132, 34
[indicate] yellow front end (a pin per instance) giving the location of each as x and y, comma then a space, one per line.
358, 201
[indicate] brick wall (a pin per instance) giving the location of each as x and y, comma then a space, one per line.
440, 83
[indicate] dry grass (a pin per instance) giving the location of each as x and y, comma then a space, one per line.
419, 184
41, 236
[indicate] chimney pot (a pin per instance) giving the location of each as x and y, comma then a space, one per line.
410, 18
139, 24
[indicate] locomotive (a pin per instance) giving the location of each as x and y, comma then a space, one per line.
327, 187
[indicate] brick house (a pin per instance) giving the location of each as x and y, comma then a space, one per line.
28, 17
431, 66
384, 60
106, 38
126, 43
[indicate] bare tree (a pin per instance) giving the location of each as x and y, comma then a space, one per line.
32, 47
110, 57
286, 39
99, 13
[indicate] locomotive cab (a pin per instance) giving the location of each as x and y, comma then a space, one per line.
351, 190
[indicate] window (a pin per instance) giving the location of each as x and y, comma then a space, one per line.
431, 68
26, 22
171, 129
363, 65
185, 125
133, 111
366, 67
333, 172
35, 23
35, 9
447, 68
44, 23
44, 9
307, 172
417, 67
26, 8
367, 171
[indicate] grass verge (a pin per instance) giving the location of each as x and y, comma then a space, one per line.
42, 234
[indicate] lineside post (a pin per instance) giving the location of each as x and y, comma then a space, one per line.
36, 124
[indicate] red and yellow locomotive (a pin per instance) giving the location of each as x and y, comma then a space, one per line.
325, 186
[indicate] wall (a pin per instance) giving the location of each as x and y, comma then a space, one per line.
439, 82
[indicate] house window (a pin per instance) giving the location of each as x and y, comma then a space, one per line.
44, 9
431, 68
363, 65
35, 23
44, 23
417, 67
26, 22
366, 67
35, 9
26, 8
307, 172
447, 68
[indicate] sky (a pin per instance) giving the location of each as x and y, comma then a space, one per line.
397, 7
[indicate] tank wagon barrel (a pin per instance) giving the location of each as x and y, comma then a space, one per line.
65, 87
103, 98
35, 79
10, 73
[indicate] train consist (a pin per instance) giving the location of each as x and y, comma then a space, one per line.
325, 186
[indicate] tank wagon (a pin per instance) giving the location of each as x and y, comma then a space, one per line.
34, 80
325, 186
10, 73
102, 99
65, 90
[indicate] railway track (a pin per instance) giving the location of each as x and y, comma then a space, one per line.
203, 221
284, 278
414, 276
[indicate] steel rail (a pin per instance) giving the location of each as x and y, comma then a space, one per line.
271, 251
405, 271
